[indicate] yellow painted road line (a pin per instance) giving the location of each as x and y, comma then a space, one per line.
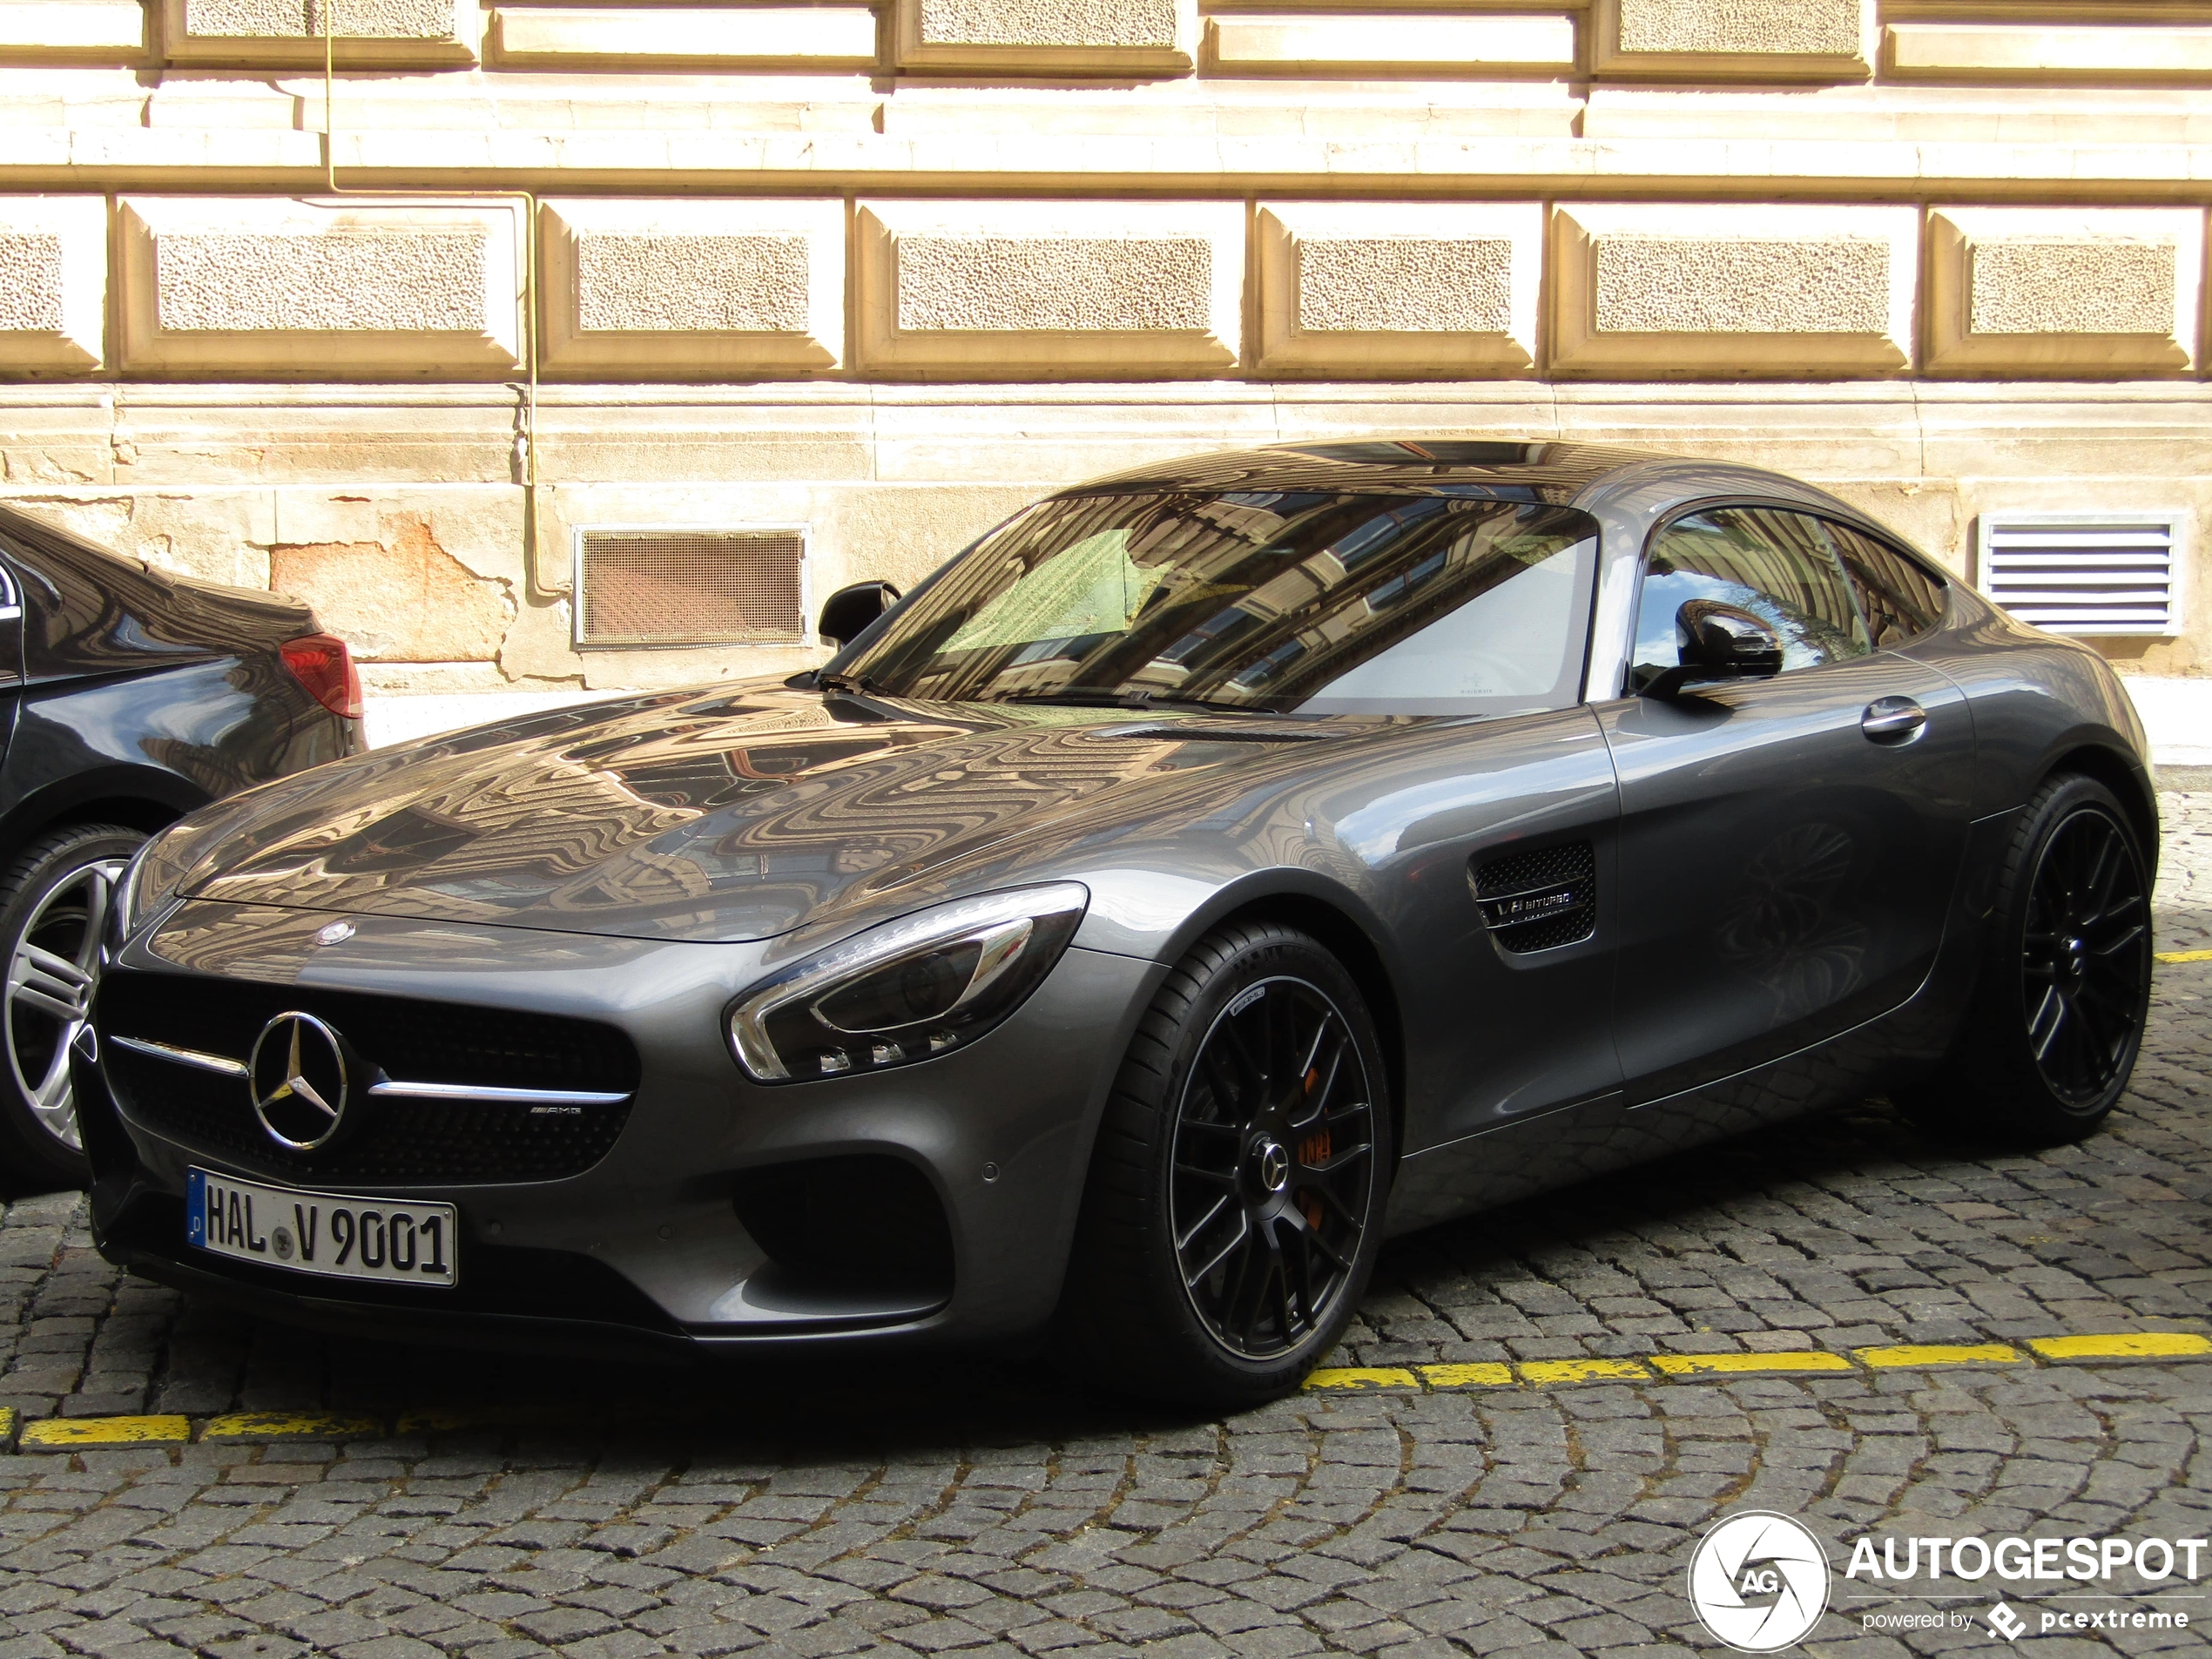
2142, 1345
1354, 1378
73, 1434
1549, 1372
2184, 955
1743, 1365
1911, 1355
1474, 1376
287, 1425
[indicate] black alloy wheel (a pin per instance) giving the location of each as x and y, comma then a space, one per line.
1269, 1190
2085, 967
1235, 1198
2049, 1040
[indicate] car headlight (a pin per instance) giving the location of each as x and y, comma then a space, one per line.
907, 990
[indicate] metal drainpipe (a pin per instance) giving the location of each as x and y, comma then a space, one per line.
526, 439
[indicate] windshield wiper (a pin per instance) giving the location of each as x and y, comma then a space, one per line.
849, 685
1220, 704
1135, 699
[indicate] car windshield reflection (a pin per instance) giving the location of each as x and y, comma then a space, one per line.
1318, 602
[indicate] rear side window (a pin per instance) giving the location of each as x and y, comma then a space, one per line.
1901, 600
1780, 566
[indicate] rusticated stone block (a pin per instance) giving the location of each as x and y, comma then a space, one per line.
1744, 39
53, 282
304, 289
1050, 290
73, 31
284, 32
2065, 291
674, 287
826, 36
2121, 53
1354, 289
1353, 44
1720, 292
1102, 37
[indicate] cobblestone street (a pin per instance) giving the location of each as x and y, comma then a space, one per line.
816, 1513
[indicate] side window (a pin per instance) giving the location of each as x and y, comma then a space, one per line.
1900, 599
1777, 565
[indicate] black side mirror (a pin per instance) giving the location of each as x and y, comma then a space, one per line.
1718, 642
846, 613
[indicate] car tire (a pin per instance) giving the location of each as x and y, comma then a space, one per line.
1235, 1198
53, 912
2057, 1016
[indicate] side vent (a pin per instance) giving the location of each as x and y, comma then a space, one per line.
2078, 575
1539, 901
663, 587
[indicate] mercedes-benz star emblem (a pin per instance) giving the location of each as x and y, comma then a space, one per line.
297, 1075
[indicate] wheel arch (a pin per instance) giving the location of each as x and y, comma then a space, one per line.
2127, 781
1349, 941
137, 798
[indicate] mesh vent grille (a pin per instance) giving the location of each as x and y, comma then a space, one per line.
1539, 900
691, 587
2108, 577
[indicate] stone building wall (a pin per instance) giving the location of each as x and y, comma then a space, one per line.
881, 274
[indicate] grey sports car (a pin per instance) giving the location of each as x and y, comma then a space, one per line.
1210, 871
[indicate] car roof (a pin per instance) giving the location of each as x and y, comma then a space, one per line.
1516, 469
1587, 474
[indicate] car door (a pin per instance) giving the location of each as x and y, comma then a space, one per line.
1788, 845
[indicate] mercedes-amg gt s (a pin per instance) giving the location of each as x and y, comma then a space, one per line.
1210, 871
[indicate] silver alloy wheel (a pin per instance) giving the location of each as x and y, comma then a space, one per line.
50, 991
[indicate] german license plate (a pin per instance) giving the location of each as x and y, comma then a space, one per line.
321, 1232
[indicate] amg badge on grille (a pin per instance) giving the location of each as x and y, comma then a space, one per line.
1540, 899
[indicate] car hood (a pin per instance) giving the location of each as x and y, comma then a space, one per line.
717, 817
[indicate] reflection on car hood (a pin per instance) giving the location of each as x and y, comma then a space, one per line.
724, 816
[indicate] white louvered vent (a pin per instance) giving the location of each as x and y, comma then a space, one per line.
2074, 574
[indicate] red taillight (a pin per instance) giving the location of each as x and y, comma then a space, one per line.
322, 664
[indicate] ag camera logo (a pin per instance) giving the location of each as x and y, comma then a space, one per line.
1759, 1581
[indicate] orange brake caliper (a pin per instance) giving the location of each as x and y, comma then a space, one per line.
1313, 1150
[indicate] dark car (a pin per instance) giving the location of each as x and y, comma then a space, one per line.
1212, 870
127, 698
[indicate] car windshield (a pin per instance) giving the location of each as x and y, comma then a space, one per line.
1317, 603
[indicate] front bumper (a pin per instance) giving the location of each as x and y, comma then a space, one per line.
648, 1247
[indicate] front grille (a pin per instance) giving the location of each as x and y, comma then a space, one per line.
394, 1141
1540, 899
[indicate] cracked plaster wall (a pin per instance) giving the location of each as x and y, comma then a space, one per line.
400, 598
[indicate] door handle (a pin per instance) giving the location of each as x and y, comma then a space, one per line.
1893, 720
